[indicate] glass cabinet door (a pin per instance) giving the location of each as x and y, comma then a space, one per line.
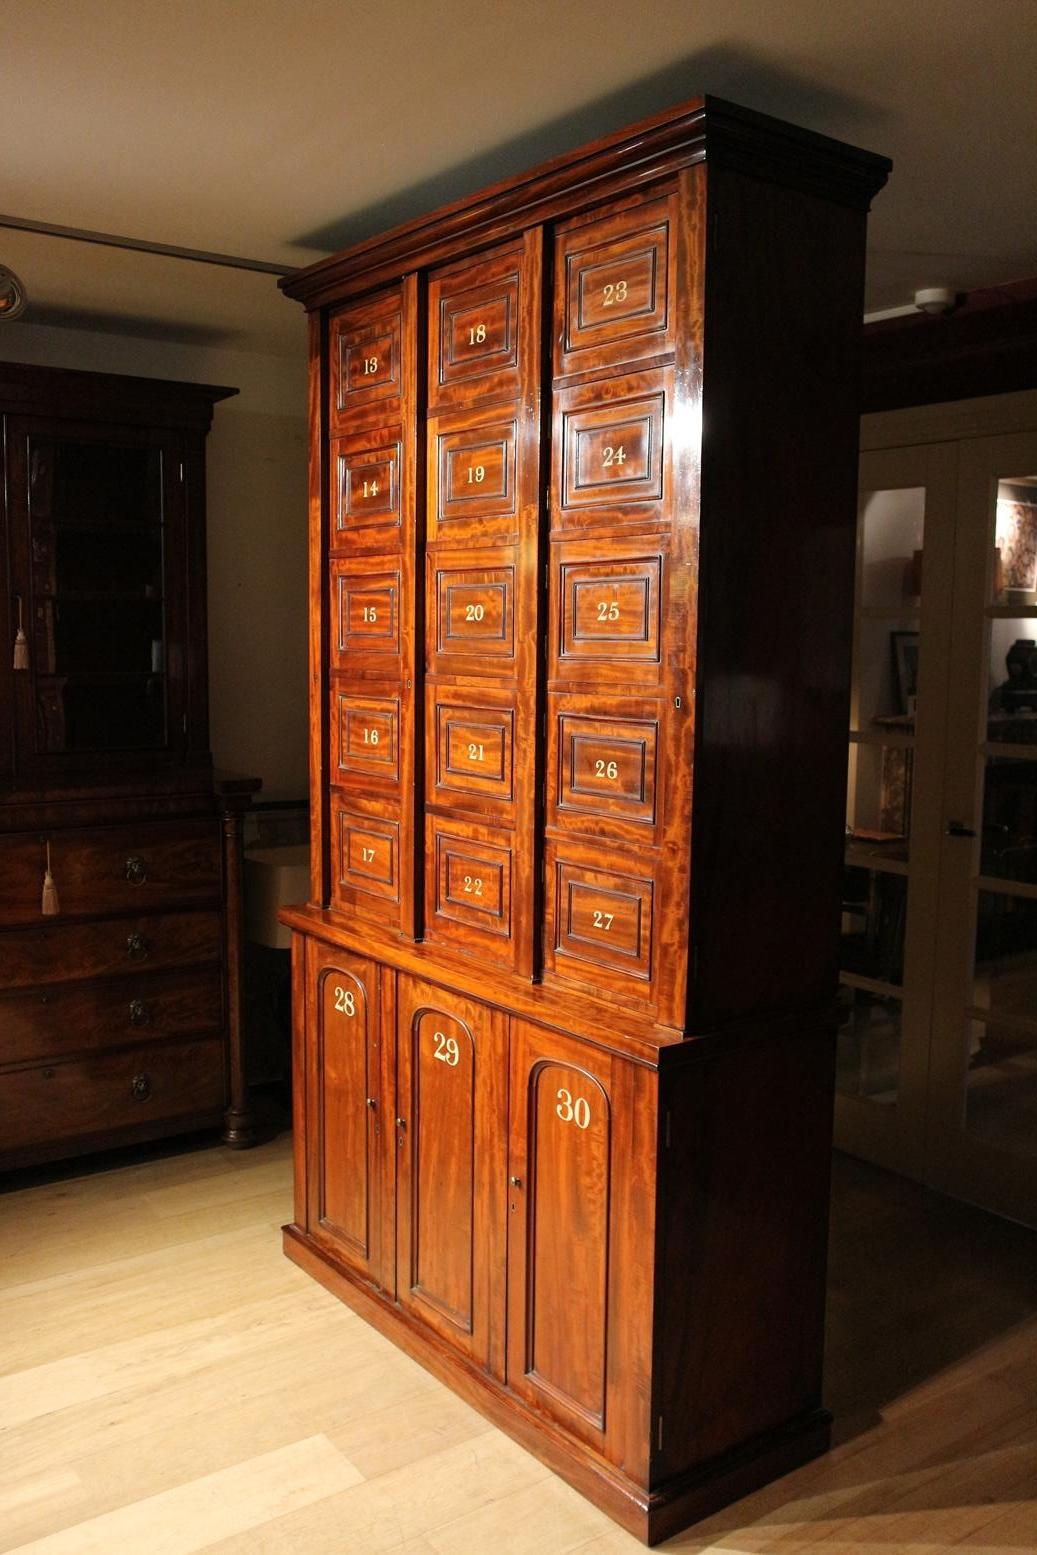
901, 629
95, 550
983, 1123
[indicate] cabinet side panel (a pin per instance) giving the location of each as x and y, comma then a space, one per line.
743, 1219
318, 656
784, 288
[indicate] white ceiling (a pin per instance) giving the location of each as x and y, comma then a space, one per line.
281, 130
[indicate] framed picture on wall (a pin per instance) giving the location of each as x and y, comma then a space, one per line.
905, 669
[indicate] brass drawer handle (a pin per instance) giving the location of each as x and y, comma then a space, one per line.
137, 946
140, 1014
136, 870
140, 1087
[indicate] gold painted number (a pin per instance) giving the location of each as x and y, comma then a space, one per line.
477, 335
475, 751
473, 885
571, 1111
370, 365
367, 855
606, 769
370, 613
474, 612
447, 1050
370, 488
344, 1001
613, 292
610, 456
608, 610
476, 474
603, 920
370, 736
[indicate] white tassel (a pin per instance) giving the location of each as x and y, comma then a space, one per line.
50, 905
21, 643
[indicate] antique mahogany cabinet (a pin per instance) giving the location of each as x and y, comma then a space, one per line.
119, 849
582, 539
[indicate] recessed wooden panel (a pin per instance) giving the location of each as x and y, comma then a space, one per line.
368, 855
472, 477
469, 885
610, 617
472, 616
365, 736
568, 1237
367, 613
474, 322
614, 285
473, 751
599, 917
451, 1157
606, 767
345, 1084
367, 492
366, 358
613, 454
476, 471
443, 1129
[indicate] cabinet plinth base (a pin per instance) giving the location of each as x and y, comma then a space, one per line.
650, 1515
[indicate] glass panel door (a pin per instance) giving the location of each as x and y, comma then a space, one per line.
95, 543
901, 630
983, 1108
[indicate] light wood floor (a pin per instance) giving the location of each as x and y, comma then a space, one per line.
171, 1384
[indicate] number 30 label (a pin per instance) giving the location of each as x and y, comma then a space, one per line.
570, 1111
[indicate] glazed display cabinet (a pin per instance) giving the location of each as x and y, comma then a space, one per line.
119, 849
582, 547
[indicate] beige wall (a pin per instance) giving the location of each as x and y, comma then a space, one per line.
256, 471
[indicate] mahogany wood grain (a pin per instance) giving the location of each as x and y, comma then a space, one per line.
103, 947
626, 738
84, 1017
105, 1092
345, 1101
484, 491
451, 1167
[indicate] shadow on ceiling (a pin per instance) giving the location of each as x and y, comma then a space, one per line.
724, 72
185, 334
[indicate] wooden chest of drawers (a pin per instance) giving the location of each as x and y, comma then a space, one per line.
583, 470
113, 1013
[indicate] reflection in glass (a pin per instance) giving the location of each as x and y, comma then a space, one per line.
1012, 700
1005, 969
878, 811
98, 613
874, 913
1001, 1096
1009, 849
868, 1047
892, 528
886, 673
1015, 536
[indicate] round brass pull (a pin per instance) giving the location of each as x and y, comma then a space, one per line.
140, 1087
136, 870
137, 946
140, 1014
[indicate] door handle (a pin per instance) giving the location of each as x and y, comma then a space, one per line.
959, 829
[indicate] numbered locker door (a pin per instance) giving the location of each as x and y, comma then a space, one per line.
580, 1227
344, 1100
451, 1137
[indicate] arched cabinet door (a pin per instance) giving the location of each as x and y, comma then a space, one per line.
580, 1225
451, 1155
344, 1100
